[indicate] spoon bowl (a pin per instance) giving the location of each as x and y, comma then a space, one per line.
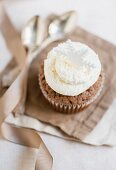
59, 27
33, 33
62, 25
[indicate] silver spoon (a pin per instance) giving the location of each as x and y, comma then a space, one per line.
32, 36
32, 39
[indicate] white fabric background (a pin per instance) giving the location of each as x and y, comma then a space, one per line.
98, 17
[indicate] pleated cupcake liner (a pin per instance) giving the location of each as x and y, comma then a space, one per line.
70, 108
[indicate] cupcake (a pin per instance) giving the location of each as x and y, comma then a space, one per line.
71, 77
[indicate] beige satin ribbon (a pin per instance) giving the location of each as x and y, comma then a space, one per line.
20, 135
12, 36
15, 46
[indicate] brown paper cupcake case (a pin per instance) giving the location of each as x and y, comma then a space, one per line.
66, 108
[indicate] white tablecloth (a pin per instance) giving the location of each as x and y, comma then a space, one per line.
98, 17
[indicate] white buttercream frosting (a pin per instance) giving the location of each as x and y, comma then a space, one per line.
71, 68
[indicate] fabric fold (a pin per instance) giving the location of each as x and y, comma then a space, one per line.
8, 102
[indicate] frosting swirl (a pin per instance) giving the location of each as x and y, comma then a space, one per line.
71, 68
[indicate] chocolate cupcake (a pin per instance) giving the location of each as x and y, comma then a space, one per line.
71, 77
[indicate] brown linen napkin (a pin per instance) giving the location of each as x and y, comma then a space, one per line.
77, 125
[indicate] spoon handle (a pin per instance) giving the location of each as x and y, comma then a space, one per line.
44, 44
48, 41
34, 52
